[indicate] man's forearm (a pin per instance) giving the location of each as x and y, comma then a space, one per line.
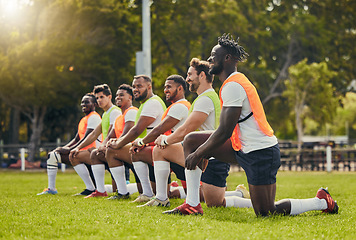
128, 138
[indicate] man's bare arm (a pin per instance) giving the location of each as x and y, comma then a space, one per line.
228, 120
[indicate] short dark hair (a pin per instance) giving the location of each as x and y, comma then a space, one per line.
102, 88
179, 80
147, 78
127, 88
201, 66
232, 47
92, 97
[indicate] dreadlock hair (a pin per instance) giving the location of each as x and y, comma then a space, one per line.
199, 66
102, 88
232, 47
92, 97
127, 88
179, 80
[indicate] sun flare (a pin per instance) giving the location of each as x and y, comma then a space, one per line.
11, 8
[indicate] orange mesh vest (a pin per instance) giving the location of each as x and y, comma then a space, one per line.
184, 102
82, 128
256, 108
120, 122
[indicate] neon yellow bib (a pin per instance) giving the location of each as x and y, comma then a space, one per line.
144, 133
216, 101
105, 122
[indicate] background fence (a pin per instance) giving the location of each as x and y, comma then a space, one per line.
343, 159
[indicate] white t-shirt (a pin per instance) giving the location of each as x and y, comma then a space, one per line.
114, 114
205, 104
152, 108
251, 137
179, 112
93, 121
131, 115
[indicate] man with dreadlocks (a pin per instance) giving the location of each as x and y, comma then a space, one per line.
245, 135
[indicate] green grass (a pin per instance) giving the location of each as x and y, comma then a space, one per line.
27, 216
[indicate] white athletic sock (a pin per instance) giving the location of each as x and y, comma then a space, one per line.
142, 172
238, 202
162, 171
233, 193
193, 185
99, 175
119, 176
83, 173
52, 173
299, 206
182, 194
108, 188
132, 188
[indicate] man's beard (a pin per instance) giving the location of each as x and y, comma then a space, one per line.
217, 69
173, 95
142, 96
194, 87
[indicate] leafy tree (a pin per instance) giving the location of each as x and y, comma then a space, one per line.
277, 34
310, 94
346, 117
63, 50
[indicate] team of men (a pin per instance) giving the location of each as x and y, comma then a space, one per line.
196, 141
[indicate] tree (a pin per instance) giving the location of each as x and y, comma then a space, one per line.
345, 121
61, 51
310, 94
277, 34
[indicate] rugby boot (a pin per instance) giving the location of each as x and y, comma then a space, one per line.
156, 202
186, 209
332, 208
241, 188
48, 191
119, 196
97, 194
86, 192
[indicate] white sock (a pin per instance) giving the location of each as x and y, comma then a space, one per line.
193, 185
119, 176
108, 188
299, 206
162, 171
52, 173
132, 188
238, 202
233, 193
99, 175
83, 173
142, 172
182, 194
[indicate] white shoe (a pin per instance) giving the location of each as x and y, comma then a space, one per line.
142, 198
241, 188
156, 202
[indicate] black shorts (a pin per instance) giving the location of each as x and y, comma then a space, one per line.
130, 166
178, 170
260, 166
216, 173
151, 172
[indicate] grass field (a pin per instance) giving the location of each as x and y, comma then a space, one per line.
27, 216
